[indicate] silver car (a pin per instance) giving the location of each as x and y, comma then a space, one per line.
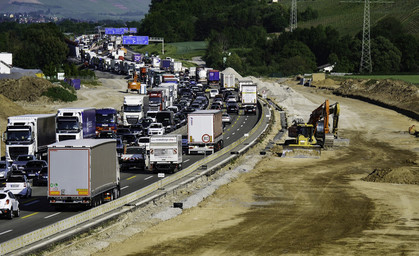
5, 168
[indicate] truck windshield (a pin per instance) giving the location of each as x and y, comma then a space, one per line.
130, 108
105, 118
155, 100
67, 124
18, 135
135, 150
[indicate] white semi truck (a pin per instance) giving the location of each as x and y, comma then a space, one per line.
166, 153
205, 132
29, 135
75, 123
83, 172
134, 108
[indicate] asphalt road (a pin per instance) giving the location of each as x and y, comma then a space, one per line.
37, 213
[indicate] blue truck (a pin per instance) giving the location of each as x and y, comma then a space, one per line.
75, 123
106, 120
213, 77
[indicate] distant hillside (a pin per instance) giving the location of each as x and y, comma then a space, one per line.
82, 9
347, 18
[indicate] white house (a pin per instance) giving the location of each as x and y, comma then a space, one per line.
5, 62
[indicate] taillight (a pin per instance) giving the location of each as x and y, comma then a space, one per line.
7, 201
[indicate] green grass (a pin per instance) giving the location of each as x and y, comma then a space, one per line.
182, 51
347, 18
413, 79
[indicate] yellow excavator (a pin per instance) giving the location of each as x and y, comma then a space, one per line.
310, 137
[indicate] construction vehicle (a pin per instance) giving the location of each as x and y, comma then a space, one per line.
310, 137
413, 131
135, 85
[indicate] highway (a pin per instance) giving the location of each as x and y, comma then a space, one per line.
36, 212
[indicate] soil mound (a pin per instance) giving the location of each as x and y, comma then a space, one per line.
399, 95
403, 175
25, 88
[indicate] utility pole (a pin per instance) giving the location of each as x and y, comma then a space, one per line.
293, 16
366, 62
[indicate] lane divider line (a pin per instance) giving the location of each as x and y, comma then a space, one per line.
30, 215
149, 177
52, 215
132, 177
124, 187
5, 232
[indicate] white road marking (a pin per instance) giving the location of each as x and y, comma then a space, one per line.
227, 138
233, 133
149, 177
33, 202
5, 232
187, 160
124, 187
241, 126
52, 215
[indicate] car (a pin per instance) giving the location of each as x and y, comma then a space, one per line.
226, 118
21, 161
185, 146
120, 131
33, 167
129, 139
5, 168
144, 142
156, 129
216, 106
19, 185
119, 146
106, 134
213, 93
250, 109
9, 205
41, 177
232, 107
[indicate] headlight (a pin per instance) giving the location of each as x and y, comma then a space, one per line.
3, 174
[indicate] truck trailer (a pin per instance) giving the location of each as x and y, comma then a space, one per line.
205, 131
75, 123
83, 172
228, 81
213, 77
166, 153
29, 135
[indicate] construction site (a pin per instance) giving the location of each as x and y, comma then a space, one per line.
341, 180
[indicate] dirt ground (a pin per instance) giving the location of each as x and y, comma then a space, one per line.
292, 206
307, 206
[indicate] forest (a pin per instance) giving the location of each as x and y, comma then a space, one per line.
249, 35
252, 37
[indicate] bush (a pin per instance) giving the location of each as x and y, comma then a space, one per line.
59, 93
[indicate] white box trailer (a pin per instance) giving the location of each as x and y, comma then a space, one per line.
228, 81
83, 172
248, 94
166, 153
205, 131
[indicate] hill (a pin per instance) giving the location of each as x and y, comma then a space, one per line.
347, 18
84, 10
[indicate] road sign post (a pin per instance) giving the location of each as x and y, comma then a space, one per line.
161, 175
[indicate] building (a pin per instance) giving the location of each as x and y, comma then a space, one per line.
5, 62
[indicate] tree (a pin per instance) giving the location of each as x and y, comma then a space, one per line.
385, 56
235, 62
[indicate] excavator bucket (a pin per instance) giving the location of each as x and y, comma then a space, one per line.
301, 152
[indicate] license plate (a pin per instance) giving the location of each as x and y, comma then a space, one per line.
14, 185
31, 174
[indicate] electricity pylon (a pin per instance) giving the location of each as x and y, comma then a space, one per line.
293, 16
366, 62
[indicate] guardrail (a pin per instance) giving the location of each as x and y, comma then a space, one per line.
63, 225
